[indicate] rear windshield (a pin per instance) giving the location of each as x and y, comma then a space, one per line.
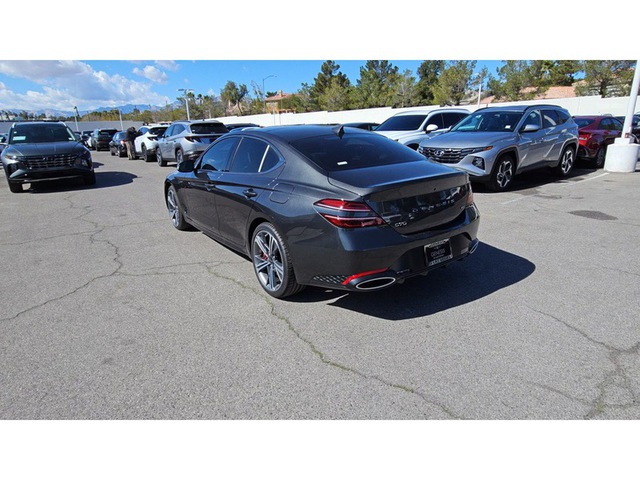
208, 128
584, 122
402, 122
40, 134
332, 153
157, 130
107, 132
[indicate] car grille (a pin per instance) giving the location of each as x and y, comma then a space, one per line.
445, 155
49, 161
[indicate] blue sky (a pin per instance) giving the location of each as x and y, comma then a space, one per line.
89, 84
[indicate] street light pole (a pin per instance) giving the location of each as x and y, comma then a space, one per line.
75, 116
121, 124
186, 99
264, 94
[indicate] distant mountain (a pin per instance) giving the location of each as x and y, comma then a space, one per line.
69, 113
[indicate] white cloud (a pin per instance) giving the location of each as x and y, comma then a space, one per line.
168, 65
69, 83
152, 73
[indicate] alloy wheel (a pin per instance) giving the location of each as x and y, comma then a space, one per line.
504, 174
567, 161
267, 260
173, 207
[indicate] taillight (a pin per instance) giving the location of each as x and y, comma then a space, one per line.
584, 136
346, 214
152, 137
469, 196
192, 139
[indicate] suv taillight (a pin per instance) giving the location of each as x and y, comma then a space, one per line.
584, 136
192, 139
346, 214
469, 196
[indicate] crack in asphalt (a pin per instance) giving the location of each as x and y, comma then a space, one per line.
327, 361
611, 378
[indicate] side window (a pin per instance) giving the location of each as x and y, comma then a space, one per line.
533, 119
550, 118
178, 128
450, 119
617, 125
143, 130
563, 116
435, 119
217, 157
606, 124
249, 156
169, 130
270, 160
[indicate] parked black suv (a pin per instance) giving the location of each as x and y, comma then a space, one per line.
101, 137
41, 151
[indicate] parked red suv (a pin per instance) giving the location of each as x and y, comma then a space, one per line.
595, 133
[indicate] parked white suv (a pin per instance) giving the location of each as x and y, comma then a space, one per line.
146, 143
411, 127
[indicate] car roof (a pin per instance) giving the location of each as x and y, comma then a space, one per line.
291, 133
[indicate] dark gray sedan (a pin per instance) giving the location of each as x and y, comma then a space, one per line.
332, 207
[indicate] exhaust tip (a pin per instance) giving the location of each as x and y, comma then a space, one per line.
376, 283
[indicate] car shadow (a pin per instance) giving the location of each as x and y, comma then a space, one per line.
103, 180
538, 178
488, 270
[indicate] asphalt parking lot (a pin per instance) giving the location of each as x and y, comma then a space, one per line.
108, 312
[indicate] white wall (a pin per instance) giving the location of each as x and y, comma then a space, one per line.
576, 106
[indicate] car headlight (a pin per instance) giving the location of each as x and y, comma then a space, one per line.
480, 149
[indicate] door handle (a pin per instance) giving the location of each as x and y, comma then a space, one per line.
250, 193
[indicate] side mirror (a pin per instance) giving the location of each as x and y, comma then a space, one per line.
530, 127
186, 166
431, 127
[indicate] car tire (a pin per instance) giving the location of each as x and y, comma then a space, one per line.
503, 173
145, 154
272, 263
90, 179
175, 210
15, 187
598, 160
113, 154
161, 161
179, 157
566, 162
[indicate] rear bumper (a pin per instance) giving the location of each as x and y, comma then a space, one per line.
373, 258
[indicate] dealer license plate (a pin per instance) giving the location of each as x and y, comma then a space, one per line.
438, 252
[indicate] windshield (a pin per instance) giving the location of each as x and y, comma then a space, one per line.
489, 121
107, 132
39, 133
402, 122
208, 128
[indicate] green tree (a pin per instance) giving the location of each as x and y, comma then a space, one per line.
405, 90
551, 73
428, 73
374, 87
454, 82
233, 95
329, 77
515, 81
607, 78
336, 96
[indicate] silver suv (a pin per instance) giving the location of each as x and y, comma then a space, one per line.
187, 140
410, 127
496, 143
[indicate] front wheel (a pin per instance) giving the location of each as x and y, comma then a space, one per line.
175, 210
161, 161
567, 159
503, 174
272, 262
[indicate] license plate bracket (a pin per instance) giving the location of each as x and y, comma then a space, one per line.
438, 252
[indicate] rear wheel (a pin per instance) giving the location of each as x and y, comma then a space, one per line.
179, 157
272, 262
598, 161
567, 159
175, 210
503, 174
146, 156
